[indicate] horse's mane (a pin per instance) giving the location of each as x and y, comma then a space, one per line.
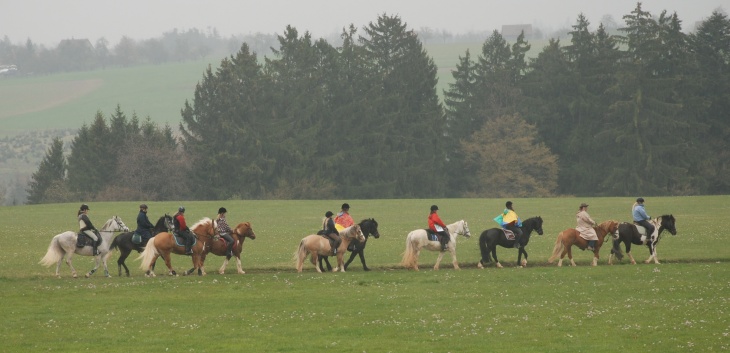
201, 222
108, 223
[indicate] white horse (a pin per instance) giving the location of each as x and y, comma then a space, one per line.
64, 245
418, 239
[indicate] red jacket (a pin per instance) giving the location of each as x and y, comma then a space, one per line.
180, 220
434, 218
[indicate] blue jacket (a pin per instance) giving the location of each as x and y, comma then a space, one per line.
144, 225
640, 214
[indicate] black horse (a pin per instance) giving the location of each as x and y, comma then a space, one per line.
490, 238
629, 234
124, 242
369, 227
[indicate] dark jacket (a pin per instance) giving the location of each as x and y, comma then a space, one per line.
144, 225
330, 227
87, 223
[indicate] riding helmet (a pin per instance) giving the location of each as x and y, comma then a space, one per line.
328, 214
222, 210
345, 206
143, 206
508, 204
434, 208
181, 209
640, 199
84, 207
583, 205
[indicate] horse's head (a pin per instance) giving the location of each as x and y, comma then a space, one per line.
370, 227
115, 224
460, 227
244, 230
536, 224
667, 222
356, 232
609, 227
164, 224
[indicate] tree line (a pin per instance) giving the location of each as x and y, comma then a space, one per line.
644, 112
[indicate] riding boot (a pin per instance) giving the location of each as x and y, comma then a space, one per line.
188, 247
95, 251
444, 243
230, 249
591, 245
517, 242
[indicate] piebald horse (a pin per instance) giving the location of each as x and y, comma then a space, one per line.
569, 237
630, 234
164, 243
418, 239
64, 245
317, 245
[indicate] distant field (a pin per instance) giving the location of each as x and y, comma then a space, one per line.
679, 305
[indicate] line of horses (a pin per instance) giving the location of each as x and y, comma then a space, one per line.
354, 240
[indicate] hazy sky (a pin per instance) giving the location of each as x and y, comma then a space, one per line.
49, 21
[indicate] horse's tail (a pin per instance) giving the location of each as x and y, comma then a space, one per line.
150, 253
409, 256
299, 255
557, 249
54, 254
115, 243
484, 248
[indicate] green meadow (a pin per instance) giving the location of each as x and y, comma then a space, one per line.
678, 305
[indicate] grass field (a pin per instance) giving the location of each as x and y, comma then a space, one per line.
679, 305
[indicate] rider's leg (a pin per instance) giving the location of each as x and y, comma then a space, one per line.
95, 240
591, 245
188, 243
228, 239
444, 240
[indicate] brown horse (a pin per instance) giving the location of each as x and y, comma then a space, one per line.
219, 247
318, 245
164, 243
569, 237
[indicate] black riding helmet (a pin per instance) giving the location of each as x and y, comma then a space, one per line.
434, 208
181, 209
345, 206
222, 210
84, 207
328, 214
640, 199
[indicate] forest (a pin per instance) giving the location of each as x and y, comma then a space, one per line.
641, 112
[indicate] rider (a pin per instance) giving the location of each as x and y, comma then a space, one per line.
330, 231
183, 230
641, 218
87, 228
437, 226
585, 226
224, 230
511, 221
343, 219
143, 224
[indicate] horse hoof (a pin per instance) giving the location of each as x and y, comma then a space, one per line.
241, 272
479, 265
87, 275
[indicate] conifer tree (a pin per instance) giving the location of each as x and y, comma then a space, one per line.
51, 171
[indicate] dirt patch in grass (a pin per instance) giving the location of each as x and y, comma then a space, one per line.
35, 97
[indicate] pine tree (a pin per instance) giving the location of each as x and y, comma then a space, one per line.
52, 169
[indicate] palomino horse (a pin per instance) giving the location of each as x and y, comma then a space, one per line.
318, 245
64, 245
418, 239
126, 245
219, 247
164, 243
490, 238
629, 234
369, 227
569, 237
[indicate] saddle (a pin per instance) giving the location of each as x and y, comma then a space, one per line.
431, 235
644, 238
136, 238
83, 240
508, 234
180, 240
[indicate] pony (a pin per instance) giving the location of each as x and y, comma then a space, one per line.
490, 238
219, 247
369, 227
317, 245
569, 237
418, 239
125, 244
64, 245
630, 234
164, 243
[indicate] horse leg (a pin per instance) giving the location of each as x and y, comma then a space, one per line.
222, 270
352, 257
104, 261
494, 255
96, 266
453, 258
168, 263
58, 268
438, 260
341, 261
522, 263
570, 255
120, 262
415, 263
239, 266
315, 258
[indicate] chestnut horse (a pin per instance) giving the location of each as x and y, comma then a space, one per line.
219, 247
164, 243
318, 245
569, 237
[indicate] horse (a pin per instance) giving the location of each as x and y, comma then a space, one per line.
126, 245
219, 247
317, 245
569, 237
64, 245
629, 234
418, 239
490, 238
164, 243
369, 227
